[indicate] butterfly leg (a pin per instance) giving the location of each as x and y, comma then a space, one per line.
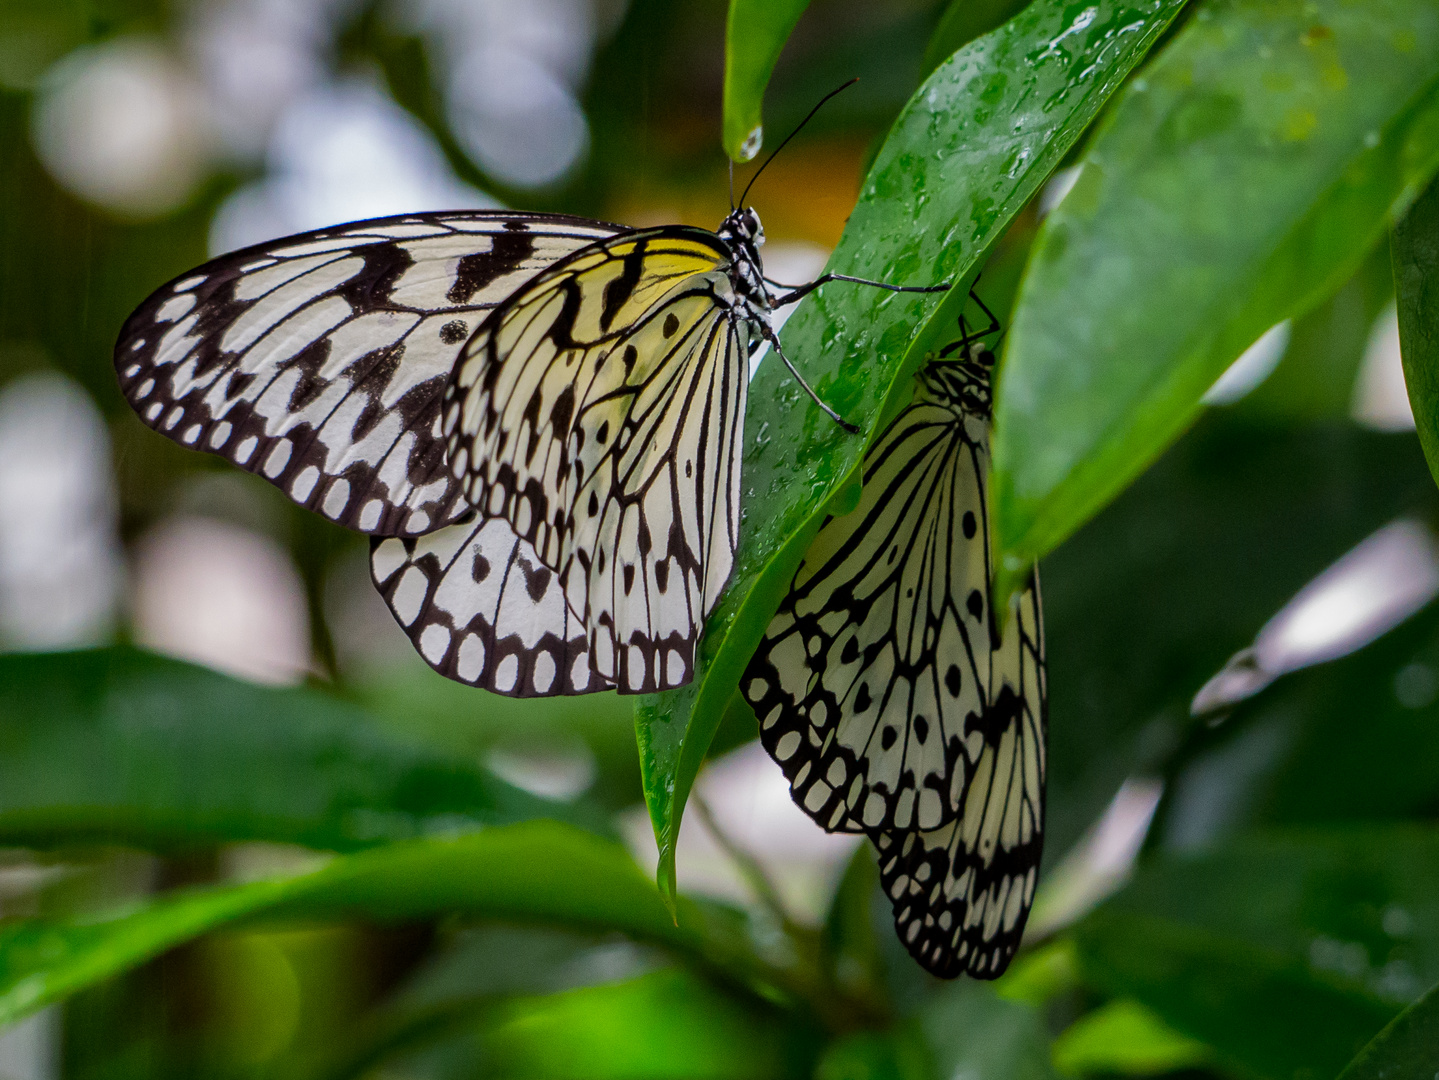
769, 335
966, 337
798, 292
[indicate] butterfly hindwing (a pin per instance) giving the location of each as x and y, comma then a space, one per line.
319, 361
962, 893
482, 609
599, 411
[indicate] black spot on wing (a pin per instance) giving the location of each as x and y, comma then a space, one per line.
506, 255
621, 288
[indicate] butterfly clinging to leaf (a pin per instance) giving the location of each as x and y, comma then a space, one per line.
896, 700
537, 416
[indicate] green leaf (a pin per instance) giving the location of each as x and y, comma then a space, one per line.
755, 34
968, 151
124, 746
1125, 1038
961, 23
1405, 1049
1416, 283
1238, 182
666, 1023
1262, 1012
540, 871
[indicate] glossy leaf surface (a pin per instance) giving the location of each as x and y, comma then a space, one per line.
1237, 183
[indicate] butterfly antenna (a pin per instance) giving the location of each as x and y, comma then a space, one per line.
731, 185
788, 137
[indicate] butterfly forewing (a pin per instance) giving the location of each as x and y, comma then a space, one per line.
875, 670
319, 361
482, 609
885, 697
599, 411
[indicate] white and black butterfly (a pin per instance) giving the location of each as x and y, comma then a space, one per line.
893, 701
543, 413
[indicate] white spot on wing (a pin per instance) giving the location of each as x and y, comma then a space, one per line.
434, 642
175, 307
409, 595
337, 498
279, 458
304, 483
507, 674
471, 661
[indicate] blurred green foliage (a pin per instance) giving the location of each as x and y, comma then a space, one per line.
208, 877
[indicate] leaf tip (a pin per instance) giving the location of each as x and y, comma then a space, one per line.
665, 878
749, 147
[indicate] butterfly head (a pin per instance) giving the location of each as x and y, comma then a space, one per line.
743, 228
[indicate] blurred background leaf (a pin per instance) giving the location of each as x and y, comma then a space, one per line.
755, 34
1404, 1049
1416, 258
121, 746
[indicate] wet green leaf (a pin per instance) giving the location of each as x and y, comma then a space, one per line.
1405, 1049
541, 871
754, 37
1416, 282
1238, 182
968, 151
124, 746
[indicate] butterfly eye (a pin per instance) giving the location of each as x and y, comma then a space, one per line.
984, 357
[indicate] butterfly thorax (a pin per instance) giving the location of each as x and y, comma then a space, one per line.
743, 234
964, 382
